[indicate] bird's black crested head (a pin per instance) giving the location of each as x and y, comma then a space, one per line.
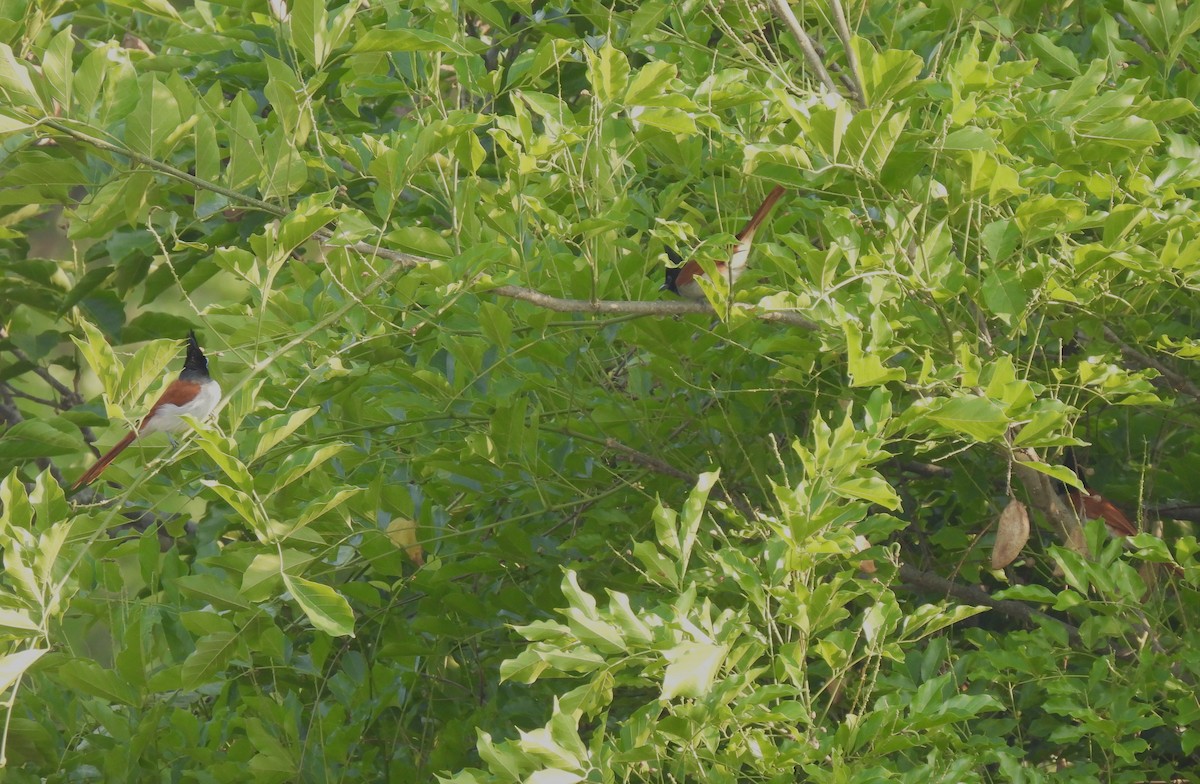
672, 273
196, 363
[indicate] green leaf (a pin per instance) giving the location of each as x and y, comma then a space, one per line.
316, 509
887, 74
16, 513
17, 620
245, 505
931, 618
659, 569
57, 66
276, 429
977, 417
310, 31
866, 370
649, 83
1056, 59
14, 665
221, 449
326, 609
285, 92
969, 139
208, 166
100, 357
1116, 139
693, 515
147, 366
608, 74
1004, 295
1046, 428
665, 118
1061, 473
34, 438
10, 124
212, 590
15, 84
1000, 239
301, 462
576, 597
420, 240
245, 148
526, 667
874, 489
411, 40
1037, 594
155, 119
90, 678
208, 660
284, 170
160, 8
691, 669
308, 217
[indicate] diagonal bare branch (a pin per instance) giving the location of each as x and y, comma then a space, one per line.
843, 31
408, 260
784, 12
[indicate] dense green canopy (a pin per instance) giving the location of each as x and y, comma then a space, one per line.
483, 503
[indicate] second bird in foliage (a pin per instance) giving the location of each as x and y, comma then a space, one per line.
681, 279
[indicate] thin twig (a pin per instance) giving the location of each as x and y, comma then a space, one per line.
648, 461
1179, 382
643, 307
784, 12
10, 416
926, 470
1188, 512
1137, 37
843, 30
70, 398
11, 390
974, 595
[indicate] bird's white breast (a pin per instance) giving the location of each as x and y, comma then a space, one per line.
169, 417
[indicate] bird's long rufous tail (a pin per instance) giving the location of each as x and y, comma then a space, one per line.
103, 462
761, 213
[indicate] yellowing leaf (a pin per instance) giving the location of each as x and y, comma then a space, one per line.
403, 533
692, 668
1012, 533
14, 665
326, 609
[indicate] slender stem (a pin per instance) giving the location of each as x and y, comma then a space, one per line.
784, 12
843, 31
1179, 382
69, 397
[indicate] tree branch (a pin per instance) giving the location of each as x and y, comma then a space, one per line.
973, 595
648, 461
843, 30
69, 397
1178, 381
1044, 497
408, 260
784, 12
643, 307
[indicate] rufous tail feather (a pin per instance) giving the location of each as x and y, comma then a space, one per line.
103, 462
761, 213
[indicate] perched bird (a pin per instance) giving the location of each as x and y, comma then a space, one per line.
1093, 506
193, 394
681, 279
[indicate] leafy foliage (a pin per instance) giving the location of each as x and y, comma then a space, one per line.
480, 505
